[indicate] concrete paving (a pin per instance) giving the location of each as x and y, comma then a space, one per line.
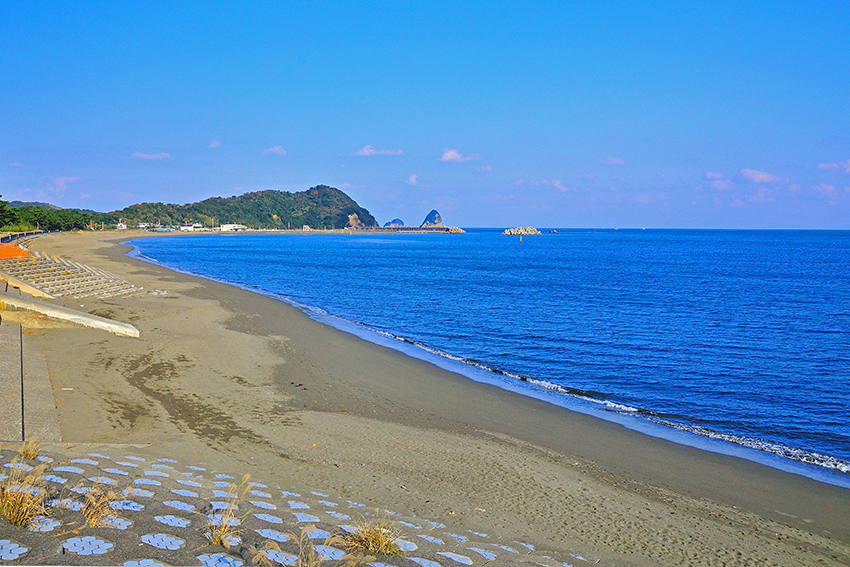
40, 420
11, 395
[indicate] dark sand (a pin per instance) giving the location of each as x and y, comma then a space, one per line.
250, 383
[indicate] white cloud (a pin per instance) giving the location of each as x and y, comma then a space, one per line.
16, 164
763, 195
845, 165
275, 150
612, 160
152, 157
555, 183
453, 156
713, 175
484, 169
830, 191
370, 151
412, 180
757, 176
215, 144
59, 183
721, 184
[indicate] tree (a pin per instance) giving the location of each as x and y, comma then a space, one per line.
7, 215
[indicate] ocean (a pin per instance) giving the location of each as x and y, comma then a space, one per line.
732, 341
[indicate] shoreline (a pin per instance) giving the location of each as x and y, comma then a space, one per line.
734, 445
567, 480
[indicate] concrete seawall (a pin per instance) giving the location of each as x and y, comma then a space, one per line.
8, 300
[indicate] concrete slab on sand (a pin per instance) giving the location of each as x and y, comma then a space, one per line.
11, 406
40, 420
26, 405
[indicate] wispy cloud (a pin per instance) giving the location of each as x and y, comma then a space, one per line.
413, 180
275, 150
757, 176
151, 157
721, 184
719, 181
612, 160
370, 151
554, 183
60, 183
763, 195
451, 155
214, 144
830, 191
16, 164
484, 169
845, 165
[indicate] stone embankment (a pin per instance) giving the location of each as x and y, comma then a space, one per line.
521, 231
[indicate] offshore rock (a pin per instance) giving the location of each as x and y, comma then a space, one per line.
395, 223
521, 231
456, 230
433, 220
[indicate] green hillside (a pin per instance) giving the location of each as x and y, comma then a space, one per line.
318, 207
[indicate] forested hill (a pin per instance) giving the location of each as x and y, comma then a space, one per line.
318, 207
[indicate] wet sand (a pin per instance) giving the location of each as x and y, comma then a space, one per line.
250, 383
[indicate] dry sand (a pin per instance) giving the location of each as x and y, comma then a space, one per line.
251, 384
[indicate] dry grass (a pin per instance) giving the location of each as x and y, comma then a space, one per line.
22, 495
97, 504
220, 535
259, 557
376, 536
308, 556
30, 449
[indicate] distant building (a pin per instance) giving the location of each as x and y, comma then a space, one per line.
233, 227
121, 226
143, 225
306, 228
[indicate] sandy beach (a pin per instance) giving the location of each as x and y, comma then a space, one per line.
251, 384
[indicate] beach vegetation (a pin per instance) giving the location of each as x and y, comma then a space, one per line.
309, 556
97, 505
375, 536
223, 530
30, 449
23, 493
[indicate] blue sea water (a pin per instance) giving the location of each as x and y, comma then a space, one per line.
737, 336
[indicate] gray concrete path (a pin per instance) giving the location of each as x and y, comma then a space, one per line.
27, 409
11, 407
40, 420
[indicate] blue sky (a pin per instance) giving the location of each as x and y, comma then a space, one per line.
729, 115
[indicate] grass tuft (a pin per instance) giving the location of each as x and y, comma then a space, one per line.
22, 495
308, 556
259, 557
96, 508
376, 536
220, 535
30, 449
